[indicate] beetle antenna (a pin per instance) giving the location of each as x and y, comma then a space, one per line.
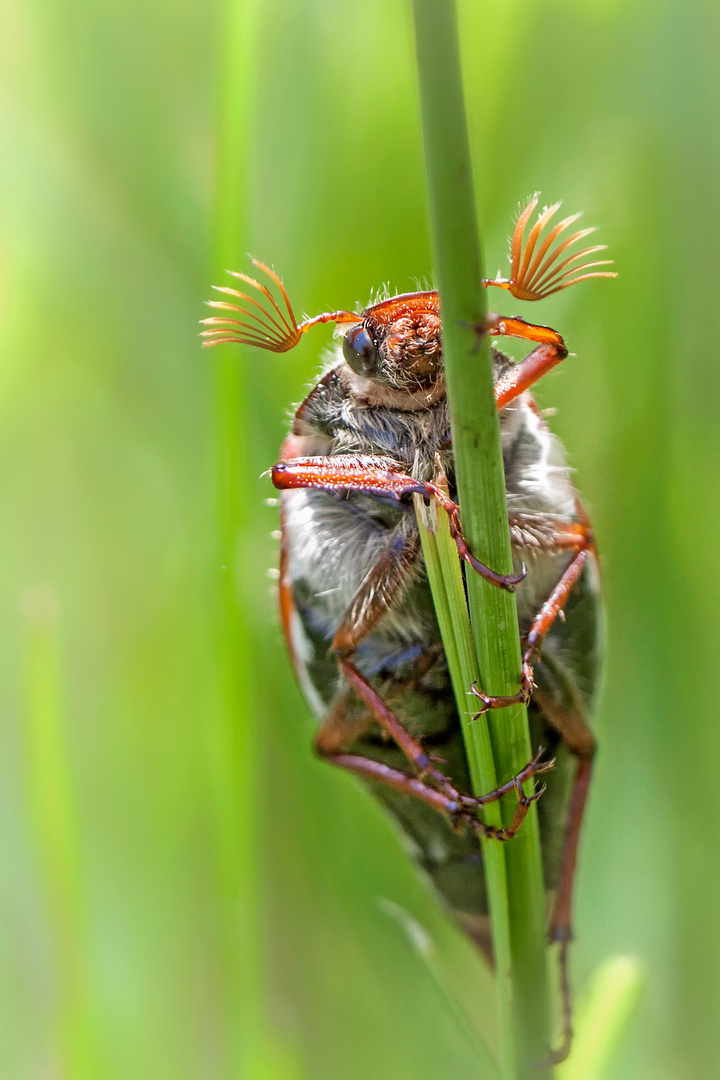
264, 325
535, 274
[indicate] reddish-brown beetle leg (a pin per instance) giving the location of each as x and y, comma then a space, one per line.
521, 698
444, 797
533, 768
520, 377
578, 537
372, 476
503, 581
524, 802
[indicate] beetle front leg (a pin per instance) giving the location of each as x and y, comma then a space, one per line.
521, 376
376, 476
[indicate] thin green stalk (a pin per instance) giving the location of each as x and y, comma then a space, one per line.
446, 582
480, 479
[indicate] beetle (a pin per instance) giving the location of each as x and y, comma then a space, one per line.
356, 607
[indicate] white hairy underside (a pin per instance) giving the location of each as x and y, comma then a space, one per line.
331, 547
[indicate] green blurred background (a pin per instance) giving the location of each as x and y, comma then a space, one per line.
127, 774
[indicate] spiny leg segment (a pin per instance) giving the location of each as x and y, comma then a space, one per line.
459, 807
377, 476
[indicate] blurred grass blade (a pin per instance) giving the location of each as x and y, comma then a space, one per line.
424, 946
54, 817
233, 740
603, 1021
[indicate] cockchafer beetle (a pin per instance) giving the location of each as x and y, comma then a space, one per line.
356, 607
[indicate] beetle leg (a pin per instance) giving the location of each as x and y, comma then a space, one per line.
367, 607
461, 809
369, 604
376, 593
580, 741
554, 604
576, 537
412, 749
411, 785
521, 376
503, 702
380, 477
421, 761
524, 802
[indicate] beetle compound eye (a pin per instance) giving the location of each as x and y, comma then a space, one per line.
360, 352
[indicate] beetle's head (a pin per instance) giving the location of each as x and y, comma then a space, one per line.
393, 348
397, 343
394, 343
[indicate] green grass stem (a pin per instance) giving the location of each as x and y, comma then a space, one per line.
521, 958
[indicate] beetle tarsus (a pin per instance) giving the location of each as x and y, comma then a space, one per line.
524, 802
528, 800
560, 1053
452, 509
551, 610
499, 702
